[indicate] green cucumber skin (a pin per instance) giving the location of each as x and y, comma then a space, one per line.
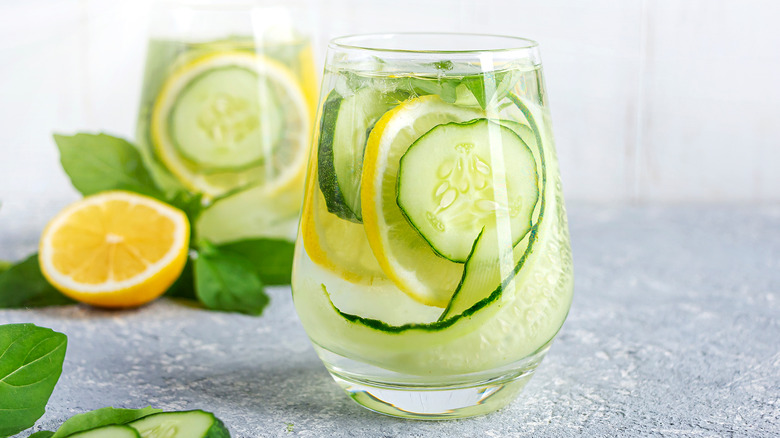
329, 185
216, 430
447, 320
108, 432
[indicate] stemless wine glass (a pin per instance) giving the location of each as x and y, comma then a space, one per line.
432, 267
226, 112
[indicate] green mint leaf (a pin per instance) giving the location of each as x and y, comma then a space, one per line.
228, 281
30, 364
184, 286
491, 87
444, 65
23, 285
425, 86
4, 266
476, 84
101, 417
355, 82
271, 258
99, 162
448, 91
192, 206
42, 434
505, 81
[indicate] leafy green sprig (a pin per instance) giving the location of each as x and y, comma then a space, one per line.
483, 89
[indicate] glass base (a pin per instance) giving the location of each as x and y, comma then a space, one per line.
436, 403
424, 398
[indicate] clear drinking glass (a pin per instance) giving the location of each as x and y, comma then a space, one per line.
228, 100
432, 267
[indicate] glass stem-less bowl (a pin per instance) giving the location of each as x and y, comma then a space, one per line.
432, 267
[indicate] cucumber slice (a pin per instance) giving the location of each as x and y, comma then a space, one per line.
346, 123
226, 118
490, 257
216, 137
116, 431
185, 424
455, 181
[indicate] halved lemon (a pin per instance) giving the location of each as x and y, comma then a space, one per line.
402, 253
115, 249
232, 119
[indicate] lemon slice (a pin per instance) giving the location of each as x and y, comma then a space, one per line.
337, 245
229, 120
115, 249
403, 254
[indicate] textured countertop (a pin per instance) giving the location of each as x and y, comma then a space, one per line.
674, 331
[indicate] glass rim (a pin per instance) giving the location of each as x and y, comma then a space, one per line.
351, 42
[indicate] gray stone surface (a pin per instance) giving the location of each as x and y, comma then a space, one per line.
674, 331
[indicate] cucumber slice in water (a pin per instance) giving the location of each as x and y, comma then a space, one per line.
225, 119
186, 424
455, 181
116, 431
491, 259
346, 123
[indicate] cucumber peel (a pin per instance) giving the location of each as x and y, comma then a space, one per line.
346, 123
329, 185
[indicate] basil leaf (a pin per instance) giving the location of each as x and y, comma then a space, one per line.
270, 258
99, 162
30, 365
23, 285
227, 281
101, 417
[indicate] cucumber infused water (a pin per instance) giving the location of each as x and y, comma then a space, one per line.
433, 255
226, 113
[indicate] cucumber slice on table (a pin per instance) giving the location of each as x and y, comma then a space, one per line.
186, 424
460, 178
346, 123
116, 431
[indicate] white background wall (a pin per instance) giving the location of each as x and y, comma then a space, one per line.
652, 100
